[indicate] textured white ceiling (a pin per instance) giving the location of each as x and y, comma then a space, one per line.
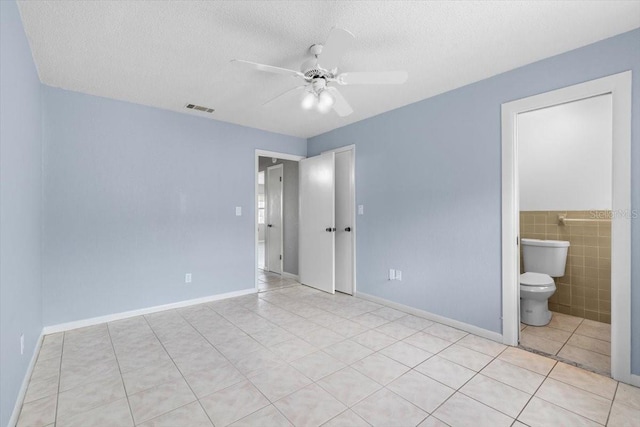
170, 53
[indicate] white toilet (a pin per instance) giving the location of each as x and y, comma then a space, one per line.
543, 260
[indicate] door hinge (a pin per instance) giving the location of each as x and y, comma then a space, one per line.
280, 256
280, 179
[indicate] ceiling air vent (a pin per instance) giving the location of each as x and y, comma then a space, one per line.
199, 108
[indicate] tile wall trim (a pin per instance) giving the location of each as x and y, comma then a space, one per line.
484, 333
126, 314
25, 382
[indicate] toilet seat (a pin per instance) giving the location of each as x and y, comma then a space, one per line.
538, 280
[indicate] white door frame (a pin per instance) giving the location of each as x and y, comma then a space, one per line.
267, 218
263, 153
619, 86
354, 229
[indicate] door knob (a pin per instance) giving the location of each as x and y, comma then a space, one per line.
328, 229
269, 225
347, 229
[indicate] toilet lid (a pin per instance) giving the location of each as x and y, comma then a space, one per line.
535, 279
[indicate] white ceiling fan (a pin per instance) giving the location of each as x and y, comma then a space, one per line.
321, 75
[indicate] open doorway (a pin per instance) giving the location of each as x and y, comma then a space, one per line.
276, 220
577, 207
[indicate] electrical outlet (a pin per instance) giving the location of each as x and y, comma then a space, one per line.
398, 275
21, 344
392, 274
360, 209
187, 278
238, 210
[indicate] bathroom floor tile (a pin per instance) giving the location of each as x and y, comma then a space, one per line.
564, 322
593, 329
548, 333
591, 344
591, 359
538, 343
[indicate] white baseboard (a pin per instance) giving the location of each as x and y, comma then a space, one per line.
126, 314
290, 275
25, 383
485, 333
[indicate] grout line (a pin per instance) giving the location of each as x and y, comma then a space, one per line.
55, 418
126, 395
613, 399
176, 366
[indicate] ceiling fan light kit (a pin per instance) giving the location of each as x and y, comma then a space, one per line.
320, 74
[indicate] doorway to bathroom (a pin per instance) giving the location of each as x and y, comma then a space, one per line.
566, 178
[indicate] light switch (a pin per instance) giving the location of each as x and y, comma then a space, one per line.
360, 209
238, 210
392, 274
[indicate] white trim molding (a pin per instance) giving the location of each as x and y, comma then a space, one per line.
619, 86
127, 314
25, 382
484, 333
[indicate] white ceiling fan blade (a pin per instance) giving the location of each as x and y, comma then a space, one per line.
337, 44
340, 105
373, 78
283, 94
268, 68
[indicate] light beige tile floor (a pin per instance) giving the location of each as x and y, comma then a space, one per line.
571, 339
296, 356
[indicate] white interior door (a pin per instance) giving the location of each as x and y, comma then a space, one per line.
274, 219
317, 222
344, 221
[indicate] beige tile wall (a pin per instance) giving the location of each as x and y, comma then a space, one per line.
585, 289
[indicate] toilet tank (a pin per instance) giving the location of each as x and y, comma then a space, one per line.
545, 256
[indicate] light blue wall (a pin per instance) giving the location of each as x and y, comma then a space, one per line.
20, 206
135, 197
429, 177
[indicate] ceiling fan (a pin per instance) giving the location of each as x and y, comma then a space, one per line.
321, 75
